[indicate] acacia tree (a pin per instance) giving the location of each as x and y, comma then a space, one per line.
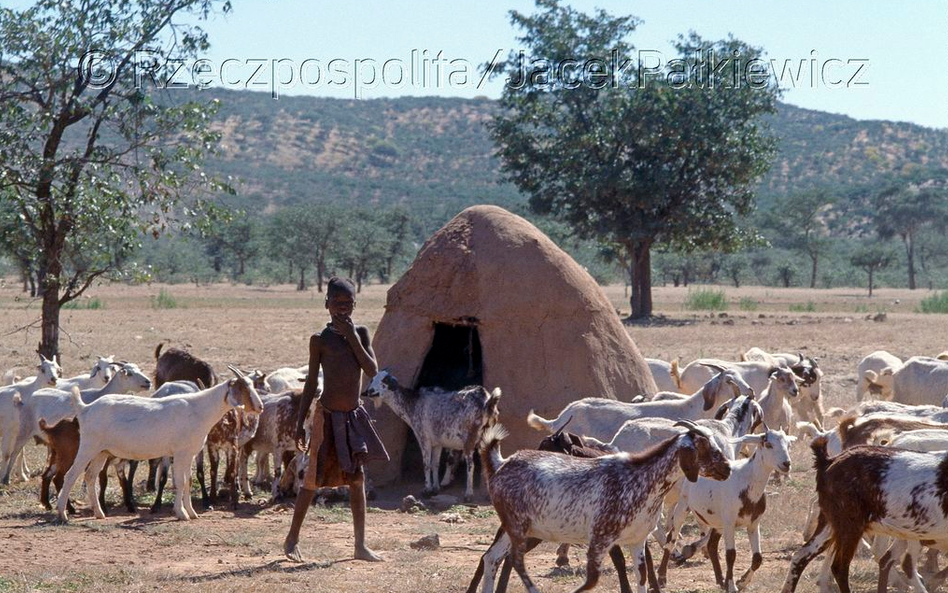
904, 211
666, 160
232, 236
799, 222
871, 259
366, 244
89, 159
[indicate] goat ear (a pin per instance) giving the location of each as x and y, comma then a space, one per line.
575, 439
707, 392
722, 411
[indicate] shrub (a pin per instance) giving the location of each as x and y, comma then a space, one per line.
748, 304
706, 299
808, 307
94, 304
164, 300
936, 303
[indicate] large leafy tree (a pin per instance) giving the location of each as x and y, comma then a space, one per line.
91, 154
668, 159
871, 257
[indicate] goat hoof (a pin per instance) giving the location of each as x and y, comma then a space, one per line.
562, 561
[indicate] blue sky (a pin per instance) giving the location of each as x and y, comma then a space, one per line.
896, 51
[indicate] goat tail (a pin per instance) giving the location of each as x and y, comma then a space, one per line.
821, 459
158, 350
538, 423
490, 449
77, 404
491, 412
676, 372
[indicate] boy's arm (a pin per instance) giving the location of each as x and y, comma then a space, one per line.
358, 340
309, 390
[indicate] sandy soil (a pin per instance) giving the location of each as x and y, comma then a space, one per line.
268, 327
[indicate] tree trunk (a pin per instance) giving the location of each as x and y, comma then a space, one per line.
320, 270
240, 272
641, 280
910, 256
676, 280
49, 346
813, 260
737, 280
302, 282
870, 284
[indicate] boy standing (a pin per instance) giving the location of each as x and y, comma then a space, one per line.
342, 437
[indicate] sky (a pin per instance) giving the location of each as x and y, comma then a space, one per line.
868, 60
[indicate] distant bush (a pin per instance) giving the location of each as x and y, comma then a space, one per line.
94, 304
748, 304
706, 299
164, 300
936, 303
807, 307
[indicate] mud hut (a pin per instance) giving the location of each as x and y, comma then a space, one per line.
491, 300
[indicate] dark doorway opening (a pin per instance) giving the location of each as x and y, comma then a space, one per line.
453, 361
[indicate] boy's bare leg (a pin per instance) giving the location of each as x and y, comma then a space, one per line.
291, 543
357, 504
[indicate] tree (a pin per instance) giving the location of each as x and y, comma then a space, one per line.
397, 225
734, 266
306, 235
904, 210
231, 237
799, 223
871, 258
665, 160
366, 245
89, 158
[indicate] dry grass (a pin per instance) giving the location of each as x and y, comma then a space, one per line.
268, 327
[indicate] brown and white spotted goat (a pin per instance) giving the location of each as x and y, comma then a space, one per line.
601, 502
875, 491
440, 420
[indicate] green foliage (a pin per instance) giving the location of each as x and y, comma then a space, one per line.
706, 299
664, 161
164, 300
935, 303
93, 304
871, 258
748, 304
807, 307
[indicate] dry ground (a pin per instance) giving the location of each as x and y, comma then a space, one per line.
268, 327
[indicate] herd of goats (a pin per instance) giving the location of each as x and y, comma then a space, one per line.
705, 446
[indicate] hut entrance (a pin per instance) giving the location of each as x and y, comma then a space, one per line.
453, 361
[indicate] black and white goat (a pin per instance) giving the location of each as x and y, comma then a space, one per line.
440, 419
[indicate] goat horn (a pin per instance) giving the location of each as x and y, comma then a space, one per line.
236, 371
200, 384
800, 354
687, 424
560, 431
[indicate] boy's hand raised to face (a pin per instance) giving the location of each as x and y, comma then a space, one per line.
344, 326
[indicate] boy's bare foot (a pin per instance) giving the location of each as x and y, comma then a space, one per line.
291, 550
368, 555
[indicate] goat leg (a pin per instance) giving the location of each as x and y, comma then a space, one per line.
618, 560
504, 579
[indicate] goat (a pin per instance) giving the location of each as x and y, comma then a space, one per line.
867, 375
875, 491
782, 387
276, 434
132, 427
602, 502
451, 419
176, 365
49, 372
228, 436
666, 374
736, 502
602, 418
568, 444
99, 376
919, 381
288, 379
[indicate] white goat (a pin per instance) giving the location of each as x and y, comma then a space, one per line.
49, 371
132, 427
665, 374
736, 502
99, 376
920, 381
867, 375
602, 418
783, 386
440, 419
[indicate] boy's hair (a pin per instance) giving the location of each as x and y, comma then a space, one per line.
338, 285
